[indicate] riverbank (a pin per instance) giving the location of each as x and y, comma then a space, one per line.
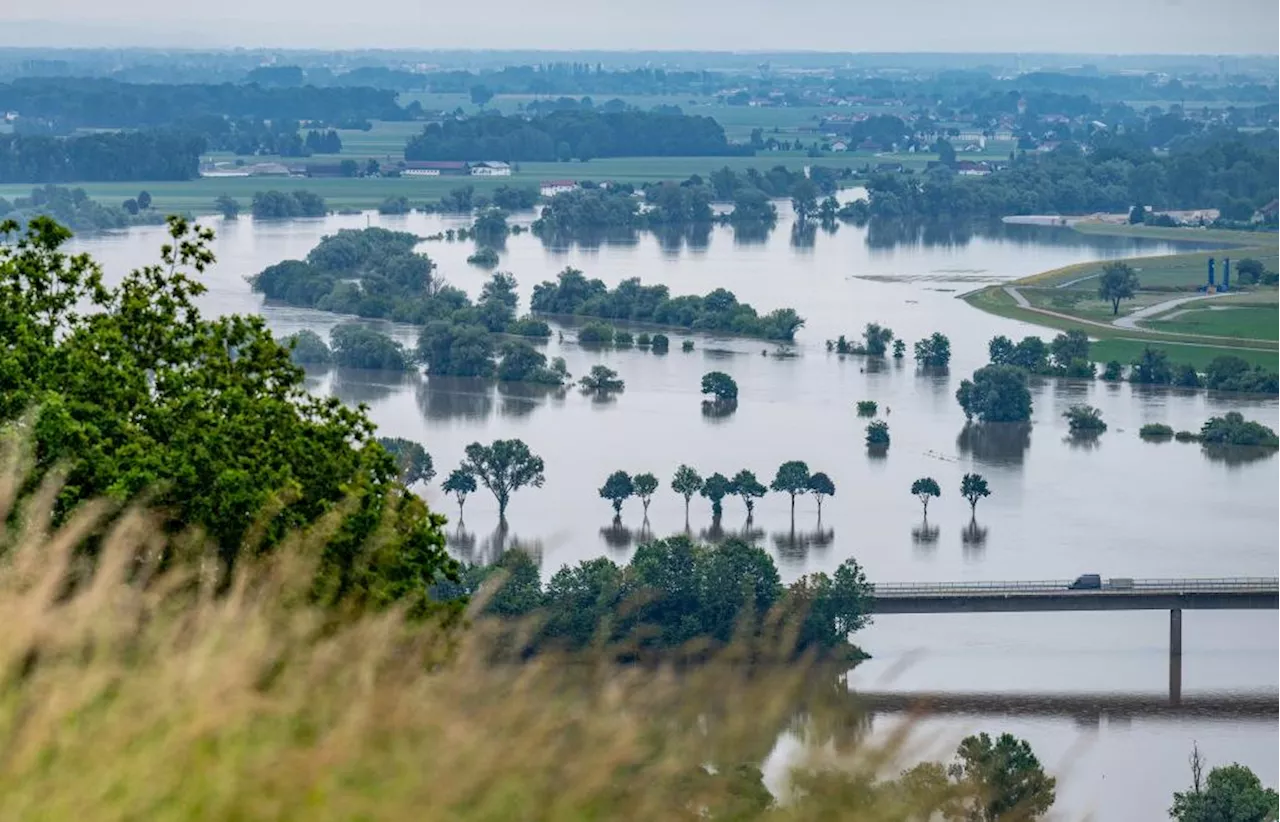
1065, 299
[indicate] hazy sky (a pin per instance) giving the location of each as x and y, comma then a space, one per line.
1090, 26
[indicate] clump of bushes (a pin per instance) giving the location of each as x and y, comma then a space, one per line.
1156, 431
867, 408
1186, 436
623, 339
661, 343
485, 258
878, 434
1084, 420
596, 334
686, 346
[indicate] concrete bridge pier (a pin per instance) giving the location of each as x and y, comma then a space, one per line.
1175, 656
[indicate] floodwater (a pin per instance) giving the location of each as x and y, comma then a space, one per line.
1119, 508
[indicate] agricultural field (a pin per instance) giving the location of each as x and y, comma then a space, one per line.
1250, 315
1175, 272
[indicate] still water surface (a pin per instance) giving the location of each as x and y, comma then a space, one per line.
1120, 508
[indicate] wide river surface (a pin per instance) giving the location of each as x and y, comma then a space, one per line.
1123, 508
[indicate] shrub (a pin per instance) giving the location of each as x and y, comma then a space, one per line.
307, 348
622, 339
1114, 372
661, 343
997, 393
1186, 436
867, 408
878, 433
1185, 376
1084, 420
596, 334
1234, 429
529, 327
1155, 431
485, 258
643, 340
686, 346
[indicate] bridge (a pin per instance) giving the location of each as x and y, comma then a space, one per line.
1090, 707
1174, 595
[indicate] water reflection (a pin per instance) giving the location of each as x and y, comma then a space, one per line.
1083, 441
501, 541
995, 443
461, 543
618, 536
521, 398
673, 238
1236, 455
752, 233
793, 545
362, 385
925, 535
803, 235
450, 398
973, 539
715, 411
590, 239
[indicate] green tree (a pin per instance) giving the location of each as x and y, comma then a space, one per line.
1118, 282
997, 393
1084, 420
877, 434
456, 350
933, 351
308, 348
130, 205
820, 485
1151, 368
721, 386
520, 593
144, 200
833, 607
1114, 372
645, 487
617, 488
876, 339
973, 487
792, 478
460, 483
715, 488
135, 393
746, 485
601, 380
481, 94
1000, 350
924, 489
735, 579
412, 460
1006, 778
867, 408
686, 483
899, 349
227, 206
1232, 793
804, 199
1250, 271
355, 346
504, 467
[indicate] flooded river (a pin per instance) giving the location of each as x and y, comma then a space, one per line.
1120, 508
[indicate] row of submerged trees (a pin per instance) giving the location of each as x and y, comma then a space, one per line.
933, 351
792, 478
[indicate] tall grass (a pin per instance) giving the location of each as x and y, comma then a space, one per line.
129, 694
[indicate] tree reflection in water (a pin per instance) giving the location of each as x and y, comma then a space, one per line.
366, 385
498, 543
618, 536
925, 535
1084, 441
461, 543
973, 538
449, 398
1235, 455
793, 545
995, 443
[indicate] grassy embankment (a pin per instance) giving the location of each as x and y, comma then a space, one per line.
1242, 324
145, 696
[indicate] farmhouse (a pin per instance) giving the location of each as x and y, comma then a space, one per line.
968, 168
550, 188
490, 168
433, 168
839, 145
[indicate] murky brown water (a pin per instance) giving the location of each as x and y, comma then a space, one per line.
1122, 508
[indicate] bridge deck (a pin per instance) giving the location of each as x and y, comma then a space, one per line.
1058, 595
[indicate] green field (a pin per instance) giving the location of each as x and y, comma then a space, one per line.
1250, 323
1172, 272
1125, 344
1225, 237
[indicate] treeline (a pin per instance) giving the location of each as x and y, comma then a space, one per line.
565, 135
154, 154
672, 592
77, 102
1229, 170
572, 293
73, 208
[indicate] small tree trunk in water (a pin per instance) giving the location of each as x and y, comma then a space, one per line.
926, 507
793, 508
1115, 306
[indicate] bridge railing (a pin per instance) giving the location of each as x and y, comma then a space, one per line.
1200, 585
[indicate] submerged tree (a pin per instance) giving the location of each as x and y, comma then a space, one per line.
460, 483
973, 487
616, 489
686, 483
504, 467
793, 479
1084, 420
601, 380
925, 488
715, 488
645, 485
746, 485
820, 485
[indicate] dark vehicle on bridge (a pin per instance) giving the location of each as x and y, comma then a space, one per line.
1086, 582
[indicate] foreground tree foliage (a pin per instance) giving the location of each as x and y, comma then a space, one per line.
1232, 793
141, 395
